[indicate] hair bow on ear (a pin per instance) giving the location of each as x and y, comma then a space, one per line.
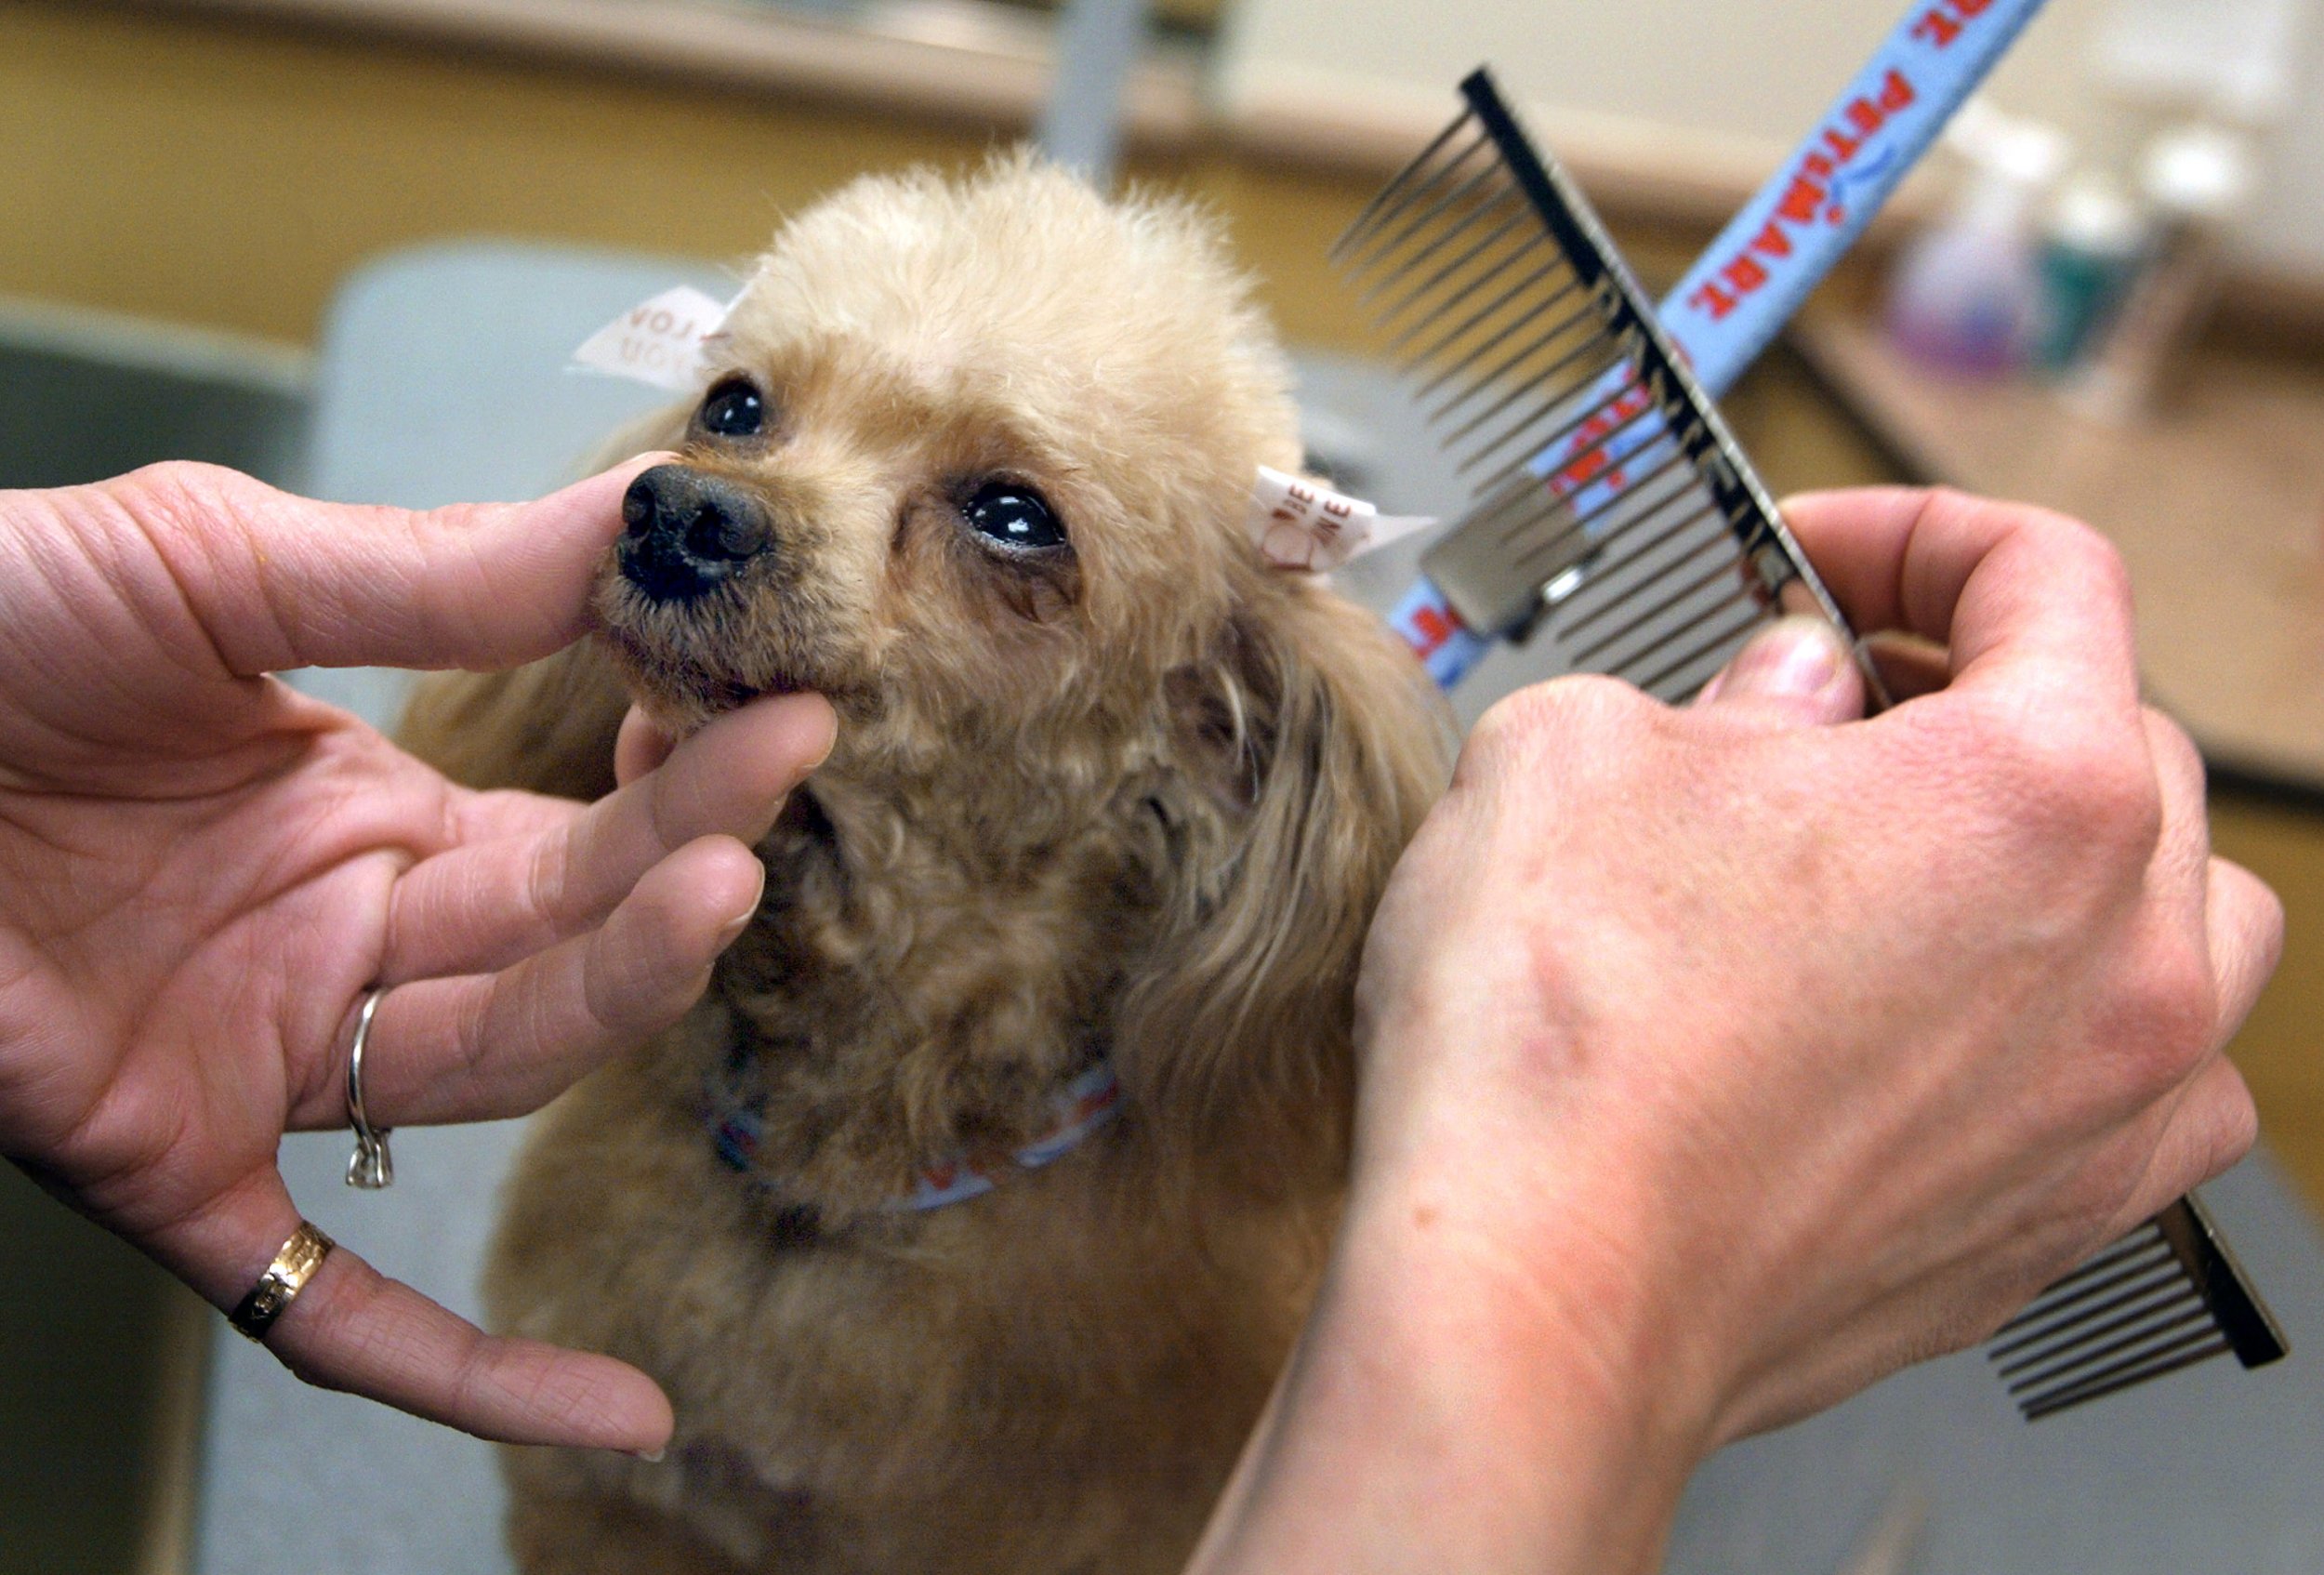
1304, 525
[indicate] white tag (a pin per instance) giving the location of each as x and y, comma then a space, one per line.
657, 341
1303, 525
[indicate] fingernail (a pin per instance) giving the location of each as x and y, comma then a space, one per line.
830, 736
652, 1457
741, 921
1796, 657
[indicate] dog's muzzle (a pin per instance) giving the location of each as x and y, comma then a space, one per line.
685, 532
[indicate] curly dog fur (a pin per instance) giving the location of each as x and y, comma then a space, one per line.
1135, 798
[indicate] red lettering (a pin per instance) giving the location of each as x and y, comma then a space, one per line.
1819, 165
1896, 92
1711, 301
1433, 627
1936, 27
1864, 115
1772, 241
1800, 200
1970, 8
1744, 274
1844, 146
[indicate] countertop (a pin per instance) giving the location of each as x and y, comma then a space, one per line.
2216, 502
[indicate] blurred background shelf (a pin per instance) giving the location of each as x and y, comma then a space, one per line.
2216, 502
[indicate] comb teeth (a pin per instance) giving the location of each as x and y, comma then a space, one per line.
1611, 504
2165, 1297
1603, 481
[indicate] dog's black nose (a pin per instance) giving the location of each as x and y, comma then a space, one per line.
686, 531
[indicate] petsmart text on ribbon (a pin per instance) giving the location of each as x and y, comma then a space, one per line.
1752, 279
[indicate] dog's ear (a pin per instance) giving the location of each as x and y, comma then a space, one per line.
1309, 750
547, 726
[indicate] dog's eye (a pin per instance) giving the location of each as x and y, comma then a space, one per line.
733, 410
1013, 515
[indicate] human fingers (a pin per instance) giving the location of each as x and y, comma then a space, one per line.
493, 899
278, 581
1798, 671
486, 1046
351, 1327
2244, 923
2189, 1135
2018, 592
2237, 920
2200, 1118
2178, 872
2226, 926
639, 747
1910, 667
2202, 1130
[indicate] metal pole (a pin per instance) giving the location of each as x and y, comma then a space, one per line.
1081, 126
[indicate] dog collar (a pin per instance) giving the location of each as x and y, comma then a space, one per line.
1078, 1109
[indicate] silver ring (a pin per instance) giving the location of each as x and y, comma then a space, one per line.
369, 1167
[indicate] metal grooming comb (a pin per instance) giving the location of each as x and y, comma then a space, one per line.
2167, 1296
1613, 513
1612, 509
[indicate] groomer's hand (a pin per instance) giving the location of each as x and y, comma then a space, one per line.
201, 871
1718, 1061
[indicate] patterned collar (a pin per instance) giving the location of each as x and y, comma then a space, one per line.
1078, 1109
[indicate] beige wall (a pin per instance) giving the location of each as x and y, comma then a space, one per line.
2287, 224
1759, 71
1720, 82
231, 175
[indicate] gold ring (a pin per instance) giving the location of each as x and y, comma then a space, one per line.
283, 1280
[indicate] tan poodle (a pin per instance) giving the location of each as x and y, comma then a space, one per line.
1112, 803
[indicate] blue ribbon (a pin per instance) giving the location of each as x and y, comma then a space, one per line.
1753, 277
